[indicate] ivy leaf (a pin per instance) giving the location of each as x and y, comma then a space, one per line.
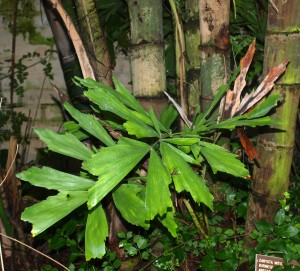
158, 196
230, 264
90, 124
44, 214
130, 205
95, 233
208, 263
264, 227
286, 231
65, 144
140, 241
279, 244
222, 160
184, 177
112, 164
280, 217
53, 179
224, 254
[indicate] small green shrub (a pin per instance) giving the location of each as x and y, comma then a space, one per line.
128, 136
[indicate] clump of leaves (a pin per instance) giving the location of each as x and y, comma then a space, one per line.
135, 244
111, 262
139, 159
280, 239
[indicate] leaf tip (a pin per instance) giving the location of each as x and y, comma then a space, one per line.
91, 204
285, 63
34, 232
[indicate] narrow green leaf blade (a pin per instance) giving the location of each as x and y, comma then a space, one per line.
182, 141
95, 233
220, 93
74, 129
65, 144
222, 160
140, 118
232, 123
44, 214
113, 101
196, 152
169, 222
130, 205
261, 122
53, 179
168, 116
185, 156
264, 227
184, 177
139, 130
112, 164
229, 124
155, 121
90, 83
128, 98
158, 196
109, 102
264, 107
90, 124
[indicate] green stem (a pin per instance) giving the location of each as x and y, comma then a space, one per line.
205, 218
194, 217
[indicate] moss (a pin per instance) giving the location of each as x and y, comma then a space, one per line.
295, 29
25, 20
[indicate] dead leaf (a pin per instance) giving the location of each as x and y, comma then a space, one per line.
180, 111
233, 104
233, 96
263, 89
247, 144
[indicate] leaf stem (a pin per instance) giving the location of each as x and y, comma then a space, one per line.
194, 217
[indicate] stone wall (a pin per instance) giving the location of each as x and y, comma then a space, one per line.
40, 100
